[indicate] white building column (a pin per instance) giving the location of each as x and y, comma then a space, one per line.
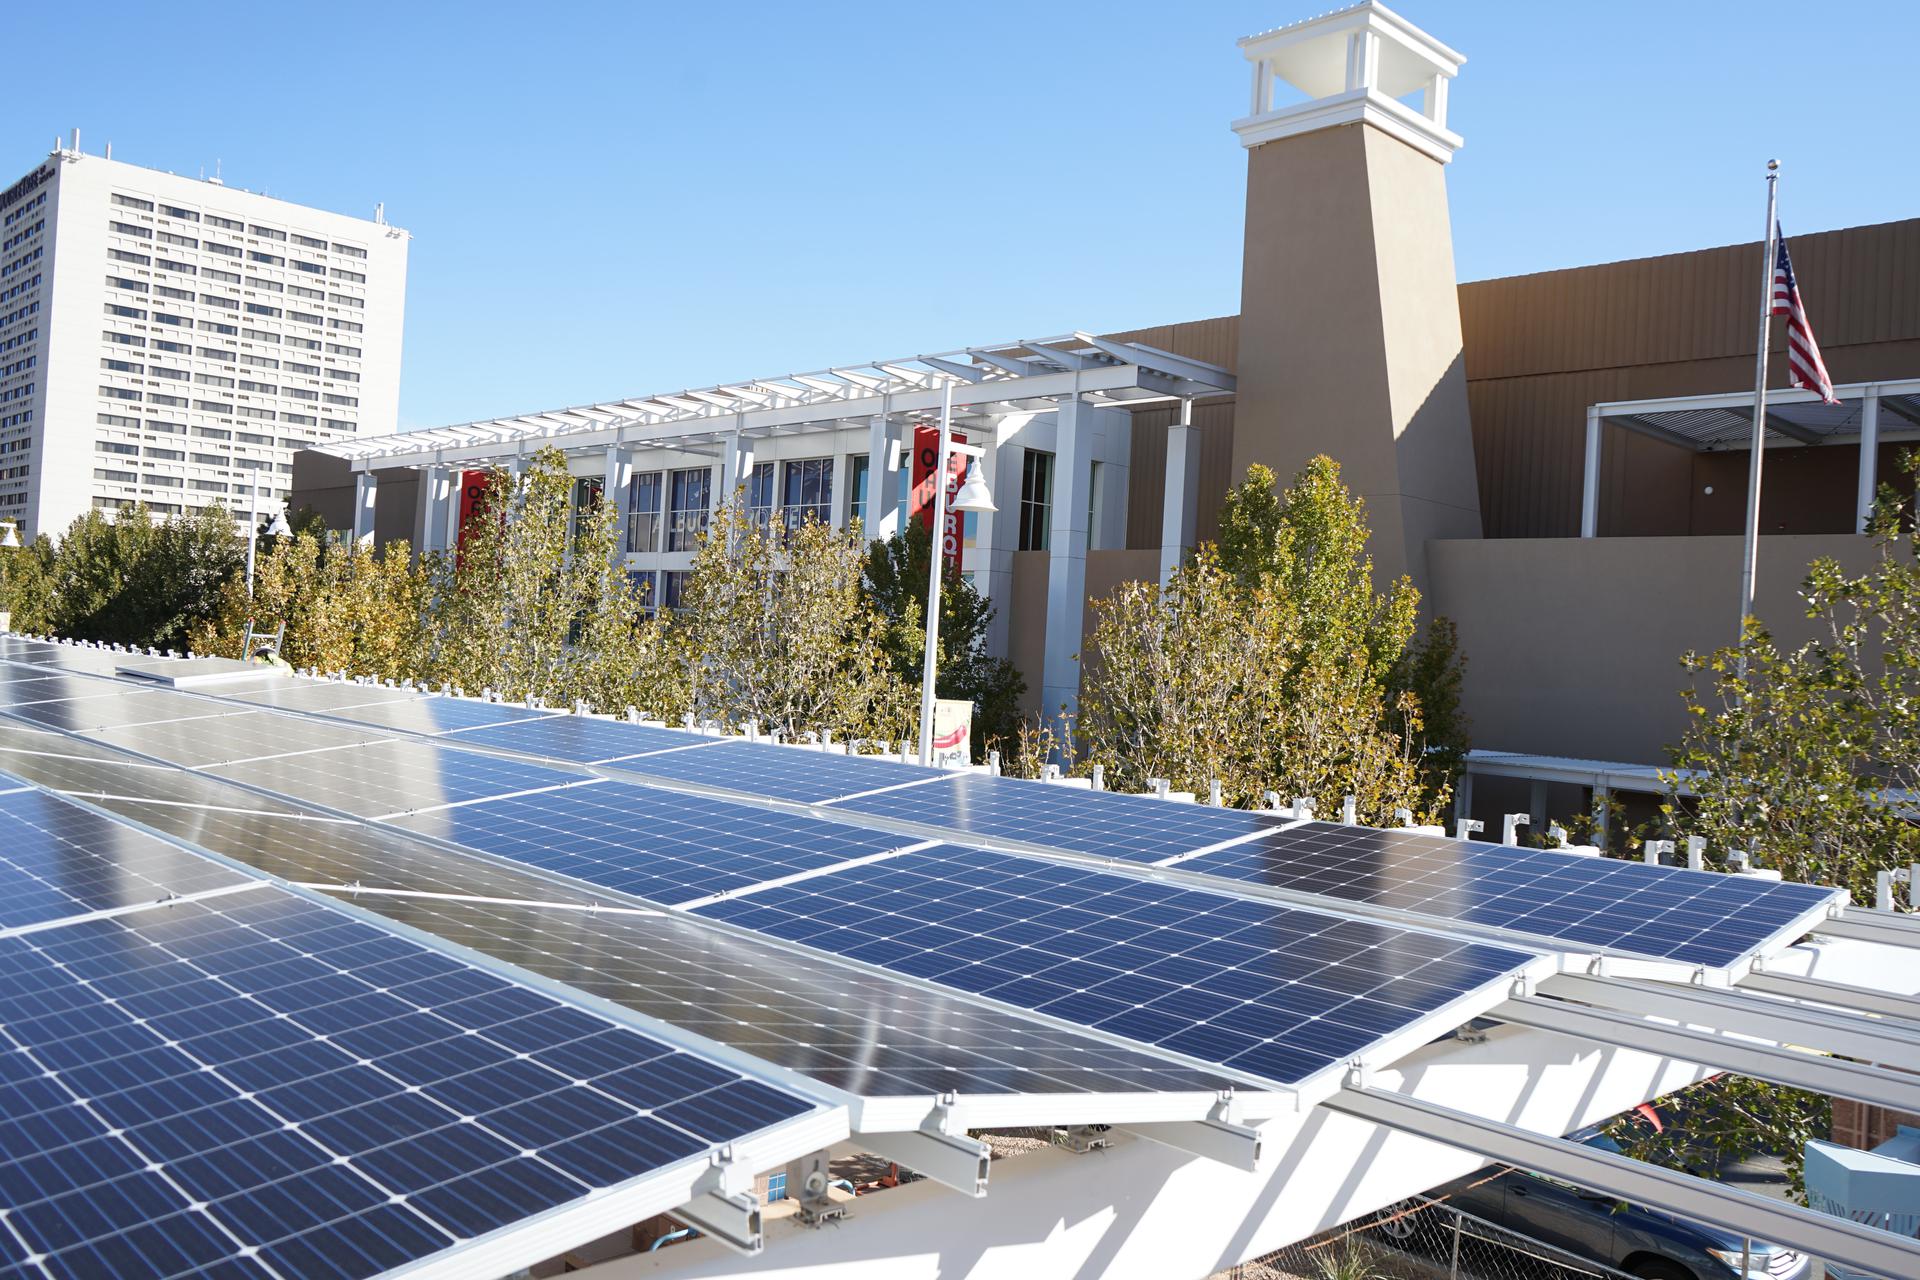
613, 488
882, 515
1590, 478
1181, 501
994, 537
1067, 558
365, 493
736, 464
1869, 454
429, 510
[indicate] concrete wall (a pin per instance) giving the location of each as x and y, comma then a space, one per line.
1573, 644
1026, 603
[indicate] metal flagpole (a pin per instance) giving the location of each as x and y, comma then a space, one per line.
1750, 553
253, 527
938, 549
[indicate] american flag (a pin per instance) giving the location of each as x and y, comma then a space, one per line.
1805, 368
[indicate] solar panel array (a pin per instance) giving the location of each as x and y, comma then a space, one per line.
1691, 916
437, 715
764, 770
580, 740
58, 860
660, 845
846, 1027
1278, 992
1104, 824
391, 776
261, 1086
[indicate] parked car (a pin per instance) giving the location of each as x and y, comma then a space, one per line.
1640, 1241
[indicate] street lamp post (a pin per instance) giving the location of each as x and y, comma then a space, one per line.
972, 496
278, 528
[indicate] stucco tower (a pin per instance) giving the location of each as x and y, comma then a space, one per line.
1350, 318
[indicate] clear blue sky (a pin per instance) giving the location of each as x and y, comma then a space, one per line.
616, 199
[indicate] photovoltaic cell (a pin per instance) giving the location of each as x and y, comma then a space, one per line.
59, 860
581, 740
1694, 917
438, 715
245, 735
665, 846
323, 696
846, 1027
272, 1088
1105, 824
1275, 991
392, 777
763, 770
131, 706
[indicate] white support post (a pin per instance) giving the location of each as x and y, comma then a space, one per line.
1590, 478
429, 510
365, 494
613, 489
736, 464
1463, 797
1869, 454
883, 481
1067, 559
1181, 498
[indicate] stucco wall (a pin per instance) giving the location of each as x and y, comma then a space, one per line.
1573, 644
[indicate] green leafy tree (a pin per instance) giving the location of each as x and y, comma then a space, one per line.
1310, 544
1708, 1127
26, 585
896, 576
1268, 664
780, 633
130, 580
1801, 757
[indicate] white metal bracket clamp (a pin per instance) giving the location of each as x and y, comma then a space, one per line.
1510, 825
1467, 828
1655, 851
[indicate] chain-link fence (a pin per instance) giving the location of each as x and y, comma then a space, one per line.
1422, 1239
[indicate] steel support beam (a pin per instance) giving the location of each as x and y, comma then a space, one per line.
1841, 995
1763, 1217
1874, 1086
1883, 927
1868, 1039
952, 1160
1235, 1145
1590, 476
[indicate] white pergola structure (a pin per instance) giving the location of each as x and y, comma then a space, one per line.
1074, 379
1868, 413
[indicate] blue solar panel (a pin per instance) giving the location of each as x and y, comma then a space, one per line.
438, 715
1106, 824
764, 770
273, 1088
581, 740
662, 845
86, 713
1274, 991
1694, 917
392, 776
244, 735
59, 860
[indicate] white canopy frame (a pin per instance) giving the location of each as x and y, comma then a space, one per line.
1709, 423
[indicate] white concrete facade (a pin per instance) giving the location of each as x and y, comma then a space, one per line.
174, 341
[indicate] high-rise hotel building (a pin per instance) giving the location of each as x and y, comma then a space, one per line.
173, 340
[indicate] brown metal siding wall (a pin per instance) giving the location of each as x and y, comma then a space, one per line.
1541, 348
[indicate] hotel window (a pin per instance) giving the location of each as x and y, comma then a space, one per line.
1036, 500
759, 496
857, 468
1094, 477
809, 491
688, 510
643, 513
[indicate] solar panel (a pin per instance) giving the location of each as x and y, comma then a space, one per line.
766, 771
437, 715
1694, 917
130, 707
660, 845
1276, 991
1106, 824
845, 1027
243, 735
322, 696
392, 777
270, 1088
59, 860
581, 740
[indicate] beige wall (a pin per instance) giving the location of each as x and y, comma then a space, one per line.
1026, 604
1573, 644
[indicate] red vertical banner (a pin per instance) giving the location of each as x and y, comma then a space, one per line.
473, 489
926, 460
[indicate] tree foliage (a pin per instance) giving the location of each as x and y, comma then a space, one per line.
127, 579
1805, 758
896, 575
779, 633
1271, 663
1706, 1127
